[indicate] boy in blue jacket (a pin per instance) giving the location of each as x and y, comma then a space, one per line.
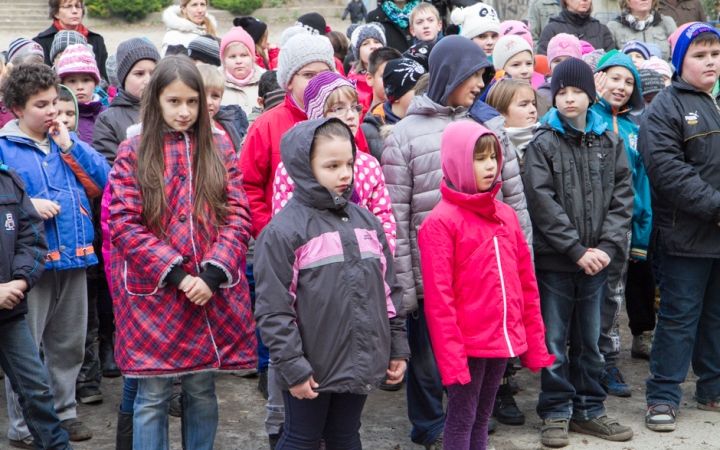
61, 174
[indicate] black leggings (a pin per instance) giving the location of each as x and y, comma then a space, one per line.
640, 296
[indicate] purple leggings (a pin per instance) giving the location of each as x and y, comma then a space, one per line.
470, 405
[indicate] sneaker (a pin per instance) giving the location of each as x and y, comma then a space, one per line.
76, 429
24, 443
712, 406
492, 425
506, 410
602, 427
437, 445
613, 383
390, 387
89, 395
660, 417
641, 345
555, 432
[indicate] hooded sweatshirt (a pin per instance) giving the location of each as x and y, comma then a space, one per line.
622, 124
323, 263
481, 296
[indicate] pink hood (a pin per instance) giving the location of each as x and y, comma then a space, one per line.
456, 154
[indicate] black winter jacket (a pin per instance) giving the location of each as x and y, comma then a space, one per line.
585, 27
579, 192
23, 242
45, 39
679, 141
397, 38
112, 124
357, 11
233, 119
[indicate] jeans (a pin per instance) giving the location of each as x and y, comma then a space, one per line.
262, 350
470, 405
641, 296
687, 330
130, 388
334, 417
199, 418
570, 304
424, 385
611, 308
20, 360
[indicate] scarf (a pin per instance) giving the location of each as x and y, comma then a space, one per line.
80, 29
634, 23
399, 16
520, 137
240, 83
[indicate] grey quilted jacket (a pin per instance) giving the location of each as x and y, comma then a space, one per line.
411, 165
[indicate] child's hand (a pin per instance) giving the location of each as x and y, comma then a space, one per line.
46, 208
396, 371
600, 83
10, 296
604, 257
196, 290
591, 262
59, 133
305, 390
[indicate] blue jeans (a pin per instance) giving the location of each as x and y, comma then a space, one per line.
570, 304
334, 417
687, 329
424, 385
200, 412
20, 359
262, 350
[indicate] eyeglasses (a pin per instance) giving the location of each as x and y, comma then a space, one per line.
70, 7
343, 111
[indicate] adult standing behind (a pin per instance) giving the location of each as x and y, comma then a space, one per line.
683, 11
185, 22
641, 21
576, 19
68, 15
395, 21
539, 14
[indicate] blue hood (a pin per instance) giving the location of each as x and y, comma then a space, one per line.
453, 60
595, 123
636, 102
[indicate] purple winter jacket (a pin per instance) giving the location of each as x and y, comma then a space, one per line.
87, 115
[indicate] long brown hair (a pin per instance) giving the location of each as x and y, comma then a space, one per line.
209, 171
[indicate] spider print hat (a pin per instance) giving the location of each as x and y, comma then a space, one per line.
400, 76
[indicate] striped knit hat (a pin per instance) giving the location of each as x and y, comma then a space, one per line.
63, 39
205, 49
22, 46
318, 91
77, 59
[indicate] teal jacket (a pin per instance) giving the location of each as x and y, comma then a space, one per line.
621, 123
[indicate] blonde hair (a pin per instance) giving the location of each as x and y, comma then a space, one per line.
337, 95
233, 44
422, 85
207, 23
501, 95
212, 77
259, 50
423, 8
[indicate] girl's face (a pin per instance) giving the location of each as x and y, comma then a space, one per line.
637, 59
347, 110
37, 115
367, 47
302, 78
70, 14
487, 41
522, 111
485, 169
238, 60
82, 85
521, 66
619, 86
139, 77
195, 11
180, 105
332, 164
466, 93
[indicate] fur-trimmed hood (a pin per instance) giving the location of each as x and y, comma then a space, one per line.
171, 18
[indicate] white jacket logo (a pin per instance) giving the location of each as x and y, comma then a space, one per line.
692, 118
9, 222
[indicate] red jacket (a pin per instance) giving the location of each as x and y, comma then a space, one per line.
481, 296
159, 331
365, 92
272, 55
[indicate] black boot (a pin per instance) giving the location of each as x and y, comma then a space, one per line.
506, 410
106, 331
124, 435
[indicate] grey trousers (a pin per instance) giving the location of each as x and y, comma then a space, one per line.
275, 405
609, 342
57, 314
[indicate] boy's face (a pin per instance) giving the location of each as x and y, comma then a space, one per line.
403, 103
66, 114
299, 81
521, 66
82, 85
468, 91
426, 27
487, 41
619, 86
139, 77
557, 61
572, 102
332, 164
214, 97
368, 46
376, 83
38, 113
701, 66
485, 168
637, 59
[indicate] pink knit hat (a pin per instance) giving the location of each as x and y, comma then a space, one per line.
517, 28
564, 44
237, 34
672, 39
77, 59
658, 65
586, 47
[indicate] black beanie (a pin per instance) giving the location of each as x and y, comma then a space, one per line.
256, 28
313, 22
400, 76
573, 72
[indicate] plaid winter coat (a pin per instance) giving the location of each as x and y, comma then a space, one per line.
159, 331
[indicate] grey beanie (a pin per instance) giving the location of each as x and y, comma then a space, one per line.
206, 49
363, 32
63, 39
111, 69
130, 52
301, 50
290, 32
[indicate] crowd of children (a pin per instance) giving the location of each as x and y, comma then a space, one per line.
449, 212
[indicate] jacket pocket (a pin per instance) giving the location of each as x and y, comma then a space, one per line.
136, 284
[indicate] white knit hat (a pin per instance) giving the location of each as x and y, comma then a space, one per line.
290, 32
301, 50
507, 47
476, 20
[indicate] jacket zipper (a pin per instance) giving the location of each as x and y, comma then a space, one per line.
581, 171
502, 286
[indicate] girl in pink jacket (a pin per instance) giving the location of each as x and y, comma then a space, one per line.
481, 298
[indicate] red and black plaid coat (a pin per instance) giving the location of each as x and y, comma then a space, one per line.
159, 331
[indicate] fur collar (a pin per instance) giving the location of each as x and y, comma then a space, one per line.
172, 19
